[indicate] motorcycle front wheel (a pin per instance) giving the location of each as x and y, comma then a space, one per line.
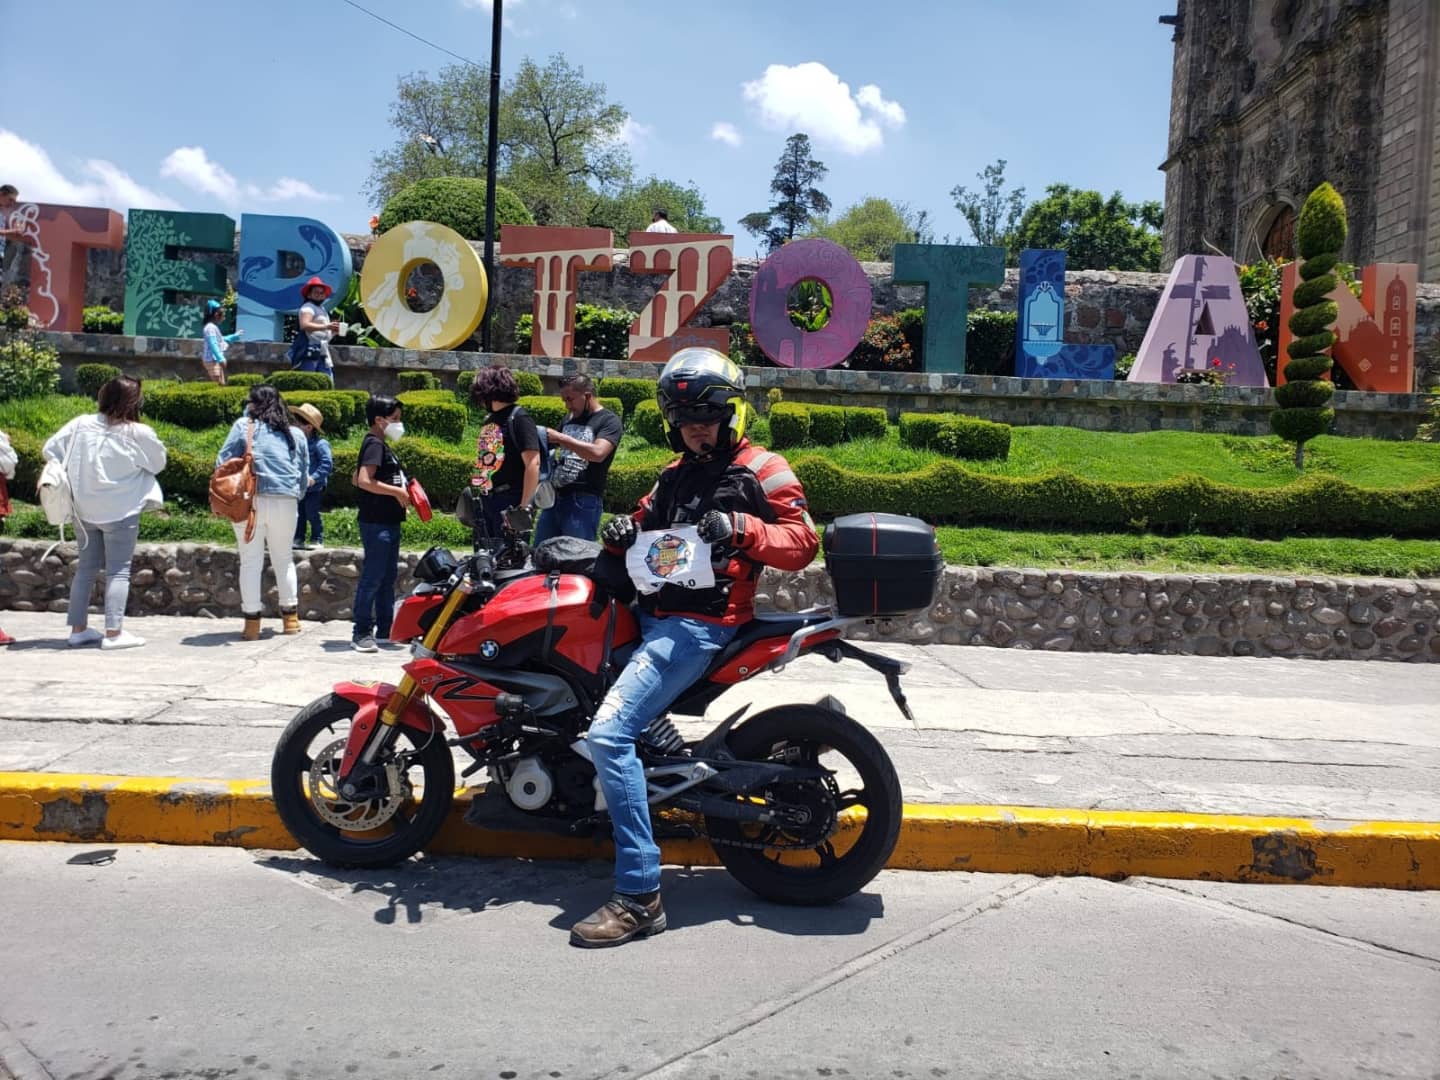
855, 816
390, 825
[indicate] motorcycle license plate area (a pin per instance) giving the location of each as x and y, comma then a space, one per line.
670, 557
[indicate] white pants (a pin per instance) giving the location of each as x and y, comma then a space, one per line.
274, 528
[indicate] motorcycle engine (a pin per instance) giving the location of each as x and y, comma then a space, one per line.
530, 784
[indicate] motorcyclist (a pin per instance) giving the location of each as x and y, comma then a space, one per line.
746, 503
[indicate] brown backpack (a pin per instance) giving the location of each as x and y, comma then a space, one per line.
232, 487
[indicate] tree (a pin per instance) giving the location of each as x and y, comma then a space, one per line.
1319, 238
870, 229
1095, 233
992, 216
632, 208
456, 201
796, 174
442, 125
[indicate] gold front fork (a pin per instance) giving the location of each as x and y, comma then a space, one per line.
400, 700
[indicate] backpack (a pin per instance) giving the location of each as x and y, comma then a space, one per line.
57, 497
232, 487
304, 354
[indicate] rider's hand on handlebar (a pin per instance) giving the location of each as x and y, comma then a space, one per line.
716, 527
619, 533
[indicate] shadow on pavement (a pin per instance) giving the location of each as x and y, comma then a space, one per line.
428, 886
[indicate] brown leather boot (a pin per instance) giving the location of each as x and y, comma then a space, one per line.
252, 627
289, 621
618, 920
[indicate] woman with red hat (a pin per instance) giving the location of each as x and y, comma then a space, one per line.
318, 327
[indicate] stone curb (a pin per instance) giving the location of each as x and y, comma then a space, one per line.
991, 839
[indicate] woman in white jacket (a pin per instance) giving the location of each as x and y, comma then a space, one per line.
112, 460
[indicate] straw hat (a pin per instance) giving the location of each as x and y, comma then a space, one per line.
309, 413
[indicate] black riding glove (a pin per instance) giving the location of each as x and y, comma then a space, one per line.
716, 527
619, 533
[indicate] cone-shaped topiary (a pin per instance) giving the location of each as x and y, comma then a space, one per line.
1304, 399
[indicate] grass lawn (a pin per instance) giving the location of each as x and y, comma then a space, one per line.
1243, 461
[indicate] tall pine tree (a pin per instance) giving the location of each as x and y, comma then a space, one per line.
797, 197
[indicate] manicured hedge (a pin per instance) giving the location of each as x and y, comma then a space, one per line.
795, 424
299, 380
827, 424
955, 435
631, 392
434, 412
645, 421
551, 412
90, 377
244, 380
417, 380
865, 423
194, 405
341, 409
789, 425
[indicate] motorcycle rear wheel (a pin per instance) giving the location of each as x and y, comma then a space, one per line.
814, 734
408, 829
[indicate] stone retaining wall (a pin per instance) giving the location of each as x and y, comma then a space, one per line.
1209, 615
1098, 405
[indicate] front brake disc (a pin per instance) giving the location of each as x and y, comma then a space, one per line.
352, 816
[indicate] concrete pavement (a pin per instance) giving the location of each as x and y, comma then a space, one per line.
1334, 743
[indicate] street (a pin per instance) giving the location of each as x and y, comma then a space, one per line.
186, 963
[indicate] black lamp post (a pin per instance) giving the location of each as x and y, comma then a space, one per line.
491, 150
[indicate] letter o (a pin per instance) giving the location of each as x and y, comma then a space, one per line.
389, 264
850, 296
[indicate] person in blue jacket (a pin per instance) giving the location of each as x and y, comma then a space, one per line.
214, 343
321, 465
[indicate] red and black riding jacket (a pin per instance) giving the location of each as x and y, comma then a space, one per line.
772, 528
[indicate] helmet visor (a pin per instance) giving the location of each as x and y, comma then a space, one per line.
698, 414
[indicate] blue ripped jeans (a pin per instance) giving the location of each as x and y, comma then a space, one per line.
672, 654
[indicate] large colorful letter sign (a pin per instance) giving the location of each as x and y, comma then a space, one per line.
387, 268
265, 240
947, 271
1374, 340
1201, 324
58, 237
153, 275
559, 256
850, 299
695, 265
1040, 349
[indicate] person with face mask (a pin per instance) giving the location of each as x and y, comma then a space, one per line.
747, 510
381, 494
281, 462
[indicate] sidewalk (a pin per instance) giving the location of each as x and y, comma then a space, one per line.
1333, 743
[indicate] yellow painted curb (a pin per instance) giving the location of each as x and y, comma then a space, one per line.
994, 839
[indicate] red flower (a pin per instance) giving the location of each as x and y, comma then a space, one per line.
411, 293
374, 222
1215, 361
1262, 326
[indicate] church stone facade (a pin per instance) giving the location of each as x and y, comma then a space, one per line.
1271, 97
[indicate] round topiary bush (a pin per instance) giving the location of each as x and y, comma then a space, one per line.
1304, 399
456, 201
90, 377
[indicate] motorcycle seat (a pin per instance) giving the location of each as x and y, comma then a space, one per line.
766, 625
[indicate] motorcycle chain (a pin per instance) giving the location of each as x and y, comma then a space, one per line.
794, 845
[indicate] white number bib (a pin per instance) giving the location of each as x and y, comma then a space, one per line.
670, 557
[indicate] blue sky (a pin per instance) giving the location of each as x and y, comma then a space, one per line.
273, 106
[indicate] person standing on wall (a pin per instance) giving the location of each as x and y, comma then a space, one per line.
660, 222
214, 343
383, 500
111, 460
8, 462
318, 328
11, 234
322, 463
280, 463
507, 454
585, 447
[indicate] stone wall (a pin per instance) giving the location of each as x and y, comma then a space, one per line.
1084, 403
1056, 610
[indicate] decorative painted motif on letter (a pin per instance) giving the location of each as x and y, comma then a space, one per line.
1375, 335
151, 274
1201, 323
559, 256
58, 237
387, 268
265, 294
1040, 348
695, 265
850, 297
947, 271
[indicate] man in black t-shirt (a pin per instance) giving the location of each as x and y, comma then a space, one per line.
507, 455
584, 449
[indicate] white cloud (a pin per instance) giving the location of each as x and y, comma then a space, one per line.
811, 98
725, 132
632, 132
30, 169
191, 166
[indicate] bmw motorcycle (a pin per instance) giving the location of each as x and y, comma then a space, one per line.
508, 663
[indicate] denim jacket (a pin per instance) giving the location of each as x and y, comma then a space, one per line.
279, 469
321, 462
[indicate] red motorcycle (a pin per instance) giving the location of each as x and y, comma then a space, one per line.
800, 802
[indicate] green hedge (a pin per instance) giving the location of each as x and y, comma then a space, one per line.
90, 377
434, 412
299, 380
244, 380
551, 412
195, 405
631, 392
417, 380
645, 421
342, 409
861, 423
956, 435
529, 383
827, 424
789, 425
